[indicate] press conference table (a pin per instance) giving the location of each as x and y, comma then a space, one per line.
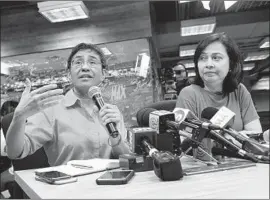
244, 183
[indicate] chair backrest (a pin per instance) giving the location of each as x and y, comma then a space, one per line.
36, 160
168, 105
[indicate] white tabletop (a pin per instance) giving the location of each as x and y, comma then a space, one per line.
251, 183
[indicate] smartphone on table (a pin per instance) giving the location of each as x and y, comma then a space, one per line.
54, 177
115, 177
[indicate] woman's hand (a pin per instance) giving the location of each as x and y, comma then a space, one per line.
32, 102
266, 135
111, 113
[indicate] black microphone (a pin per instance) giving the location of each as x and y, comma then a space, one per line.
95, 93
230, 153
143, 116
159, 120
204, 124
163, 123
247, 144
166, 165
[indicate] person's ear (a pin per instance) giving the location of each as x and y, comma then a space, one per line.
103, 74
69, 76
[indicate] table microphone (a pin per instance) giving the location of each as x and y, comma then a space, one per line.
95, 93
247, 144
166, 165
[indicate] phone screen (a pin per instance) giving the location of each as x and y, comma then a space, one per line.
115, 177
53, 175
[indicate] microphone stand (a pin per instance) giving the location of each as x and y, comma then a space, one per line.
198, 134
196, 145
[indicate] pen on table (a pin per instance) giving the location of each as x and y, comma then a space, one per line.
81, 166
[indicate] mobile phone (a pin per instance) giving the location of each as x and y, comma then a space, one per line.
52, 176
116, 177
56, 182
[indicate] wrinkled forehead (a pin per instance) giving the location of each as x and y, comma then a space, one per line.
87, 54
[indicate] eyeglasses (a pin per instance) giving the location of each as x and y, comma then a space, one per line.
79, 63
178, 72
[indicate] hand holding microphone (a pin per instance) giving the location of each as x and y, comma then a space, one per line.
109, 114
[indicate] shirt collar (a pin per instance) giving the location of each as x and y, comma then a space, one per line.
70, 98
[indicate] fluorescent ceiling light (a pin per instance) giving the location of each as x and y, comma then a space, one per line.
206, 5
59, 11
257, 56
264, 43
106, 51
248, 66
186, 1
187, 50
191, 73
198, 26
229, 4
189, 64
262, 84
183, 1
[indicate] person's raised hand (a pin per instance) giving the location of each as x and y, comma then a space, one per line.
32, 102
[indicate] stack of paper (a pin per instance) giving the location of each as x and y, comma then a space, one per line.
82, 167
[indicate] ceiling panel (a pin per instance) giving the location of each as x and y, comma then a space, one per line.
237, 31
260, 29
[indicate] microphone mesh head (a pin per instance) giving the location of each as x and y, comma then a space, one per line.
209, 112
93, 90
143, 116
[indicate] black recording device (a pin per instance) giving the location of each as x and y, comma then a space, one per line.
95, 93
136, 162
166, 165
168, 138
138, 159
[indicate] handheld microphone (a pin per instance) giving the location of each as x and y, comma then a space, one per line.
166, 165
95, 93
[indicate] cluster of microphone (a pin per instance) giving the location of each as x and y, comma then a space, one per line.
160, 127
195, 130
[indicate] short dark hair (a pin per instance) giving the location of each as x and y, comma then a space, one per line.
184, 66
8, 107
235, 73
83, 46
